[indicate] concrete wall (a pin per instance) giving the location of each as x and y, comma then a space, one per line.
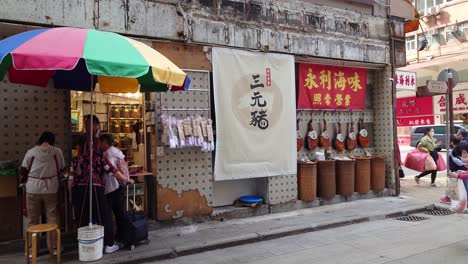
350, 31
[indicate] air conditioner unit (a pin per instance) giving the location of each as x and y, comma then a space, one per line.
433, 10
433, 32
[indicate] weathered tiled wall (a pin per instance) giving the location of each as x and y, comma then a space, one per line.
383, 122
184, 176
27, 111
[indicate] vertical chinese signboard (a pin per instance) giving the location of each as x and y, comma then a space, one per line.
460, 103
254, 99
331, 87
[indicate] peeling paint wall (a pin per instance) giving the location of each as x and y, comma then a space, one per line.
295, 27
184, 175
173, 205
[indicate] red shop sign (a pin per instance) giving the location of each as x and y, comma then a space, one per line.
415, 120
331, 87
414, 106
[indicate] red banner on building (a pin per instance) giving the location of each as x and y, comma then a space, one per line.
415, 121
414, 111
414, 106
331, 87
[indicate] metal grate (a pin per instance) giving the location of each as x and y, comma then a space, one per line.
438, 212
411, 218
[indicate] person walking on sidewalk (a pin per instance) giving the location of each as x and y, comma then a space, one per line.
113, 189
428, 145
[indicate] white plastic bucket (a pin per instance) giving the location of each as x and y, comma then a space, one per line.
90, 242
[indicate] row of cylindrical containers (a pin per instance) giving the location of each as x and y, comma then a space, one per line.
125, 111
327, 178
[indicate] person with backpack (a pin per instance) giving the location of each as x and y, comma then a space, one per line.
113, 188
41, 169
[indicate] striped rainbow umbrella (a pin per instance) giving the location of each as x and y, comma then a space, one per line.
72, 56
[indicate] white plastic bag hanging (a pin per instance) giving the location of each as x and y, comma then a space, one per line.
173, 139
197, 131
180, 132
189, 139
460, 205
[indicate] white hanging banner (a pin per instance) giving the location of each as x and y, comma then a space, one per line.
254, 95
405, 80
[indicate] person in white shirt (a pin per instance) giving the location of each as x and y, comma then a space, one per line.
41, 168
113, 188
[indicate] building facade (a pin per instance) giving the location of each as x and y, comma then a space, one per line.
350, 34
440, 43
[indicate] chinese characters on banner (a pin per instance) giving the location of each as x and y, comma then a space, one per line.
405, 80
414, 111
255, 105
259, 113
331, 87
460, 103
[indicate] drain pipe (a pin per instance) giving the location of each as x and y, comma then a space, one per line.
392, 63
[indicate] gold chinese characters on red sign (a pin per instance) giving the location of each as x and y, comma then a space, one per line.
331, 87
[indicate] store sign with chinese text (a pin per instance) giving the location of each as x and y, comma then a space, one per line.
405, 80
415, 121
331, 87
460, 103
255, 114
414, 111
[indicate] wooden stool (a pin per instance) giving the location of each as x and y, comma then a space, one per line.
49, 228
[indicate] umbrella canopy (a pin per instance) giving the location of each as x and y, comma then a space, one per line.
70, 56
73, 56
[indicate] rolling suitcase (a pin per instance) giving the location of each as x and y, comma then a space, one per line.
137, 231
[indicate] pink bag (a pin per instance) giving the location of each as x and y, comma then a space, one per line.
429, 163
441, 164
415, 160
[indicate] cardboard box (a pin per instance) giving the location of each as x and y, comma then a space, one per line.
8, 186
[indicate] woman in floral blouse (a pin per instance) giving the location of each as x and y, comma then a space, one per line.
80, 169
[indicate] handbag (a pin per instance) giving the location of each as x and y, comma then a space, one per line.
401, 172
429, 163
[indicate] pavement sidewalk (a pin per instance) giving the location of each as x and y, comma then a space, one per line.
178, 241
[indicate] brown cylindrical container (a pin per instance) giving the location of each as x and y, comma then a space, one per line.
326, 179
345, 177
135, 112
307, 181
362, 174
125, 111
115, 111
377, 173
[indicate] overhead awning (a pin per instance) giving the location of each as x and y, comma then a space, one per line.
406, 10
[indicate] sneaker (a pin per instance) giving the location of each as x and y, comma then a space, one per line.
111, 249
445, 199
434, 185
416, 179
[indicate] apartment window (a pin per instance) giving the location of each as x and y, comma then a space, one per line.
441, 36
463, 28
421, 38
411, 44
424, 6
